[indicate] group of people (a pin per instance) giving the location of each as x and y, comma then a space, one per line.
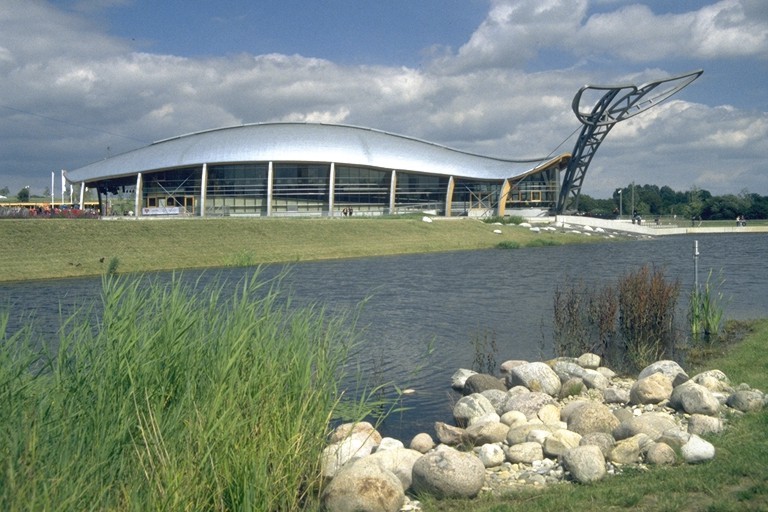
740, 221
347, 212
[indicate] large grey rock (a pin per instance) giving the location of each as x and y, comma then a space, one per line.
652, 389
362, 488
491, 455
398, 461
746, 400
694, 399
602, 440
702, 425
497, 398
487, 432
627, 451
536, 377
660, 454
595, 380
352, 447
480, 382
422, 442
449, 435
669, 368
589, 361
559, 442
652, 424
714, 380
471, 406
460, 376
697, 450
612, 395
525, 453
521, 433
528, 403
592, 417
567, 369
585, 463
448, 473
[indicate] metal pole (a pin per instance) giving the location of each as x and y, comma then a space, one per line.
695, 265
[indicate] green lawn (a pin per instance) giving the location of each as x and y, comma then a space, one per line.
47, 248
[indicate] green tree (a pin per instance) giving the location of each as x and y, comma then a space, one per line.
23, 195
5, 191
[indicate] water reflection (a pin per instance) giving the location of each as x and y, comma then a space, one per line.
443, 300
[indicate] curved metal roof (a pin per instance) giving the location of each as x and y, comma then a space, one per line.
302, 142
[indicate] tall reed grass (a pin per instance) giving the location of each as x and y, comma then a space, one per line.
179, 397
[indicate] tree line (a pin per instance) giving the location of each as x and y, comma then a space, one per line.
655, 201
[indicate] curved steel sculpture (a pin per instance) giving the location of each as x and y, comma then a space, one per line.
618, 103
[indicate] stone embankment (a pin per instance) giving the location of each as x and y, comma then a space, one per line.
564, 421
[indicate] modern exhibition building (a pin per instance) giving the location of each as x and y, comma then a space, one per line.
281, 169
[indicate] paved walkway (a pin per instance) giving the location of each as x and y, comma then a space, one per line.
651, 229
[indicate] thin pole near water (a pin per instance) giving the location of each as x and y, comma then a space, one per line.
696, 265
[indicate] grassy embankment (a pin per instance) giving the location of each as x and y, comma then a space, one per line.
54, 248
736, 480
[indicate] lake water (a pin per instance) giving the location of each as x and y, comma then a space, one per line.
447, 299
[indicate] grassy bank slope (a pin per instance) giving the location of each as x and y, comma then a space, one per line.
46, 248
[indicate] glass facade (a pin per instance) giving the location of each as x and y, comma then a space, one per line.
416, 192
177, 188
300, 188
474, 195
304, 189
363, 189
239, 189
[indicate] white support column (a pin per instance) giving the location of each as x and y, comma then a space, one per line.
270, 179
392, 190
138, 195
82, 195
331, 189
203, 189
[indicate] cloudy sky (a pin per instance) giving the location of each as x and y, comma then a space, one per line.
81, 80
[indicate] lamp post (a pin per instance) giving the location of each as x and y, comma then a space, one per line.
621, 210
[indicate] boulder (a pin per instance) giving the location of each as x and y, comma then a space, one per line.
525, 453
660, 454
422, 442
398, 461
604, 441
627, 451
364, 487
746, 400
352, 447
448, 473
559, 442
592, 417
480, 382
612, 395
497, 398
528, 403
460, 376
652, 389
589, 361
714, 380
513, 418
652, 424
697, 450
361, 427
595, 380
487, 432
549, 414
585, 463
537, 377
491, 455
694, 399
449, 435
702, 425
471, 406
671, 369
